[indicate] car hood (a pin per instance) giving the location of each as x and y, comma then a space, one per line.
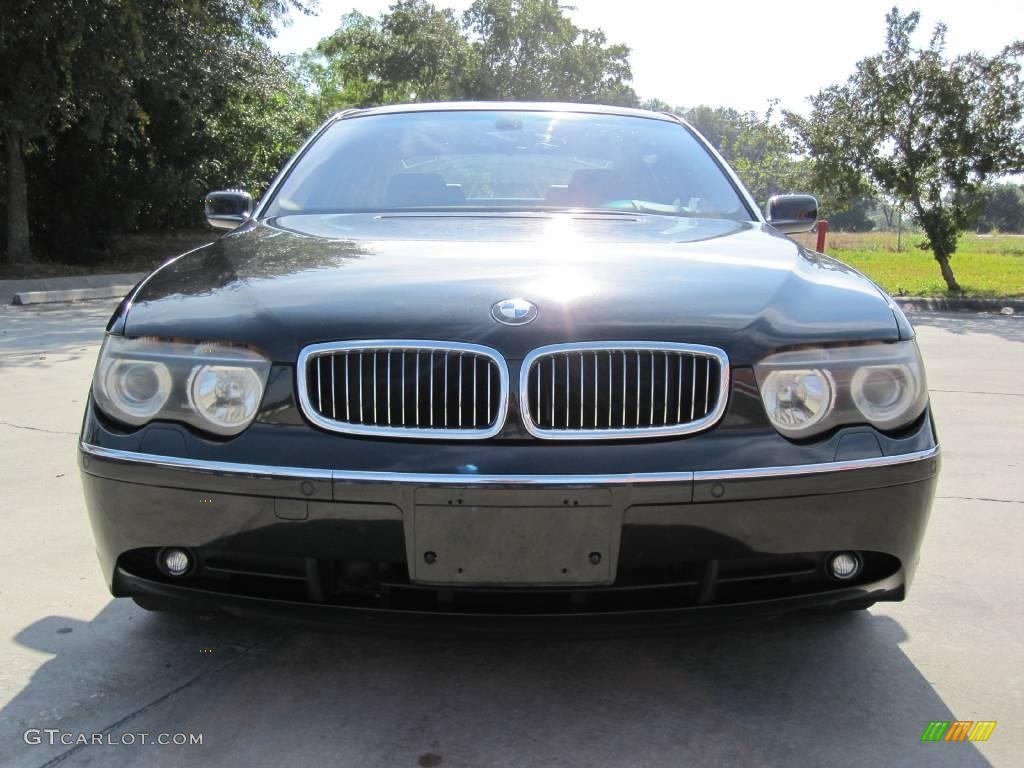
283, 283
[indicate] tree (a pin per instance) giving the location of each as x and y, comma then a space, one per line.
891, 209
924, 128
39, 42
530, 50
414, 52
1002, 209
757, 146
498, 49
855, 217
111, 76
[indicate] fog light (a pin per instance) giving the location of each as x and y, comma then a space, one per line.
175, 562
844, 565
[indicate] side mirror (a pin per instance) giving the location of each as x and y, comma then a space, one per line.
791, 214
227, 209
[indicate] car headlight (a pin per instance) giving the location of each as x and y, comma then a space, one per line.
798, 399
884, 393
137, 389
225, 396
214, 387
808, 391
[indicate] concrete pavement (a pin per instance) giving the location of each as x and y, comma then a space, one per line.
809, 690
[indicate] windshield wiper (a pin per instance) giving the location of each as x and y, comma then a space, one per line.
590, 211
635, 207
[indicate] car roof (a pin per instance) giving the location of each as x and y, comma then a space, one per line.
507, 106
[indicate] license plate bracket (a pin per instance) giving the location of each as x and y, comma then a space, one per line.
509, 546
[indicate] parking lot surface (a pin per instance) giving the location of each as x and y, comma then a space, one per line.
805, 690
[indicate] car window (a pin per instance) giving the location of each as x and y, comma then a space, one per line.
497, 160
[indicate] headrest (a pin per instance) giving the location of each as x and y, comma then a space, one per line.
596, 186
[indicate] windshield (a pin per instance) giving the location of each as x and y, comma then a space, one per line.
507, 161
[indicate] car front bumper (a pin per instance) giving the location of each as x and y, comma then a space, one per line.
341, 544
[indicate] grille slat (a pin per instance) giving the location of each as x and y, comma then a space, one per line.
637, 401
650, 418
333, 399
664, 414
693, 387
582, 398
553, 381
405, 389
319, 389
679, 406
373, 403
568, 378
639, 389
623, 390
707, 383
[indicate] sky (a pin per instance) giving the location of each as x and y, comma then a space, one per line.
738, 53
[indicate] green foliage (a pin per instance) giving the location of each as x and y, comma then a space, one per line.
499, 49
121, 114
530, 50
1001, 209
757, 146
414, 52
56, 73
923, 128
191, 99
855, 217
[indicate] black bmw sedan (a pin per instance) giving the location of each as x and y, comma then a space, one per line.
494, 363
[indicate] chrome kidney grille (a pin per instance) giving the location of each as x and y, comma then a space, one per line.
614, 390
422, 389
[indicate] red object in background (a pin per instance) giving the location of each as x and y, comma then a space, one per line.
822, 231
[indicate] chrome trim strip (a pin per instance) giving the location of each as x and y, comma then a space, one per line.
757, 473
697, 350
206, 467
381, 430
350, 476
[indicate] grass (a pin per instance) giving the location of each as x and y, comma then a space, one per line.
985, 265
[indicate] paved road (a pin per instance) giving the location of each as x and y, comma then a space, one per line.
804, 691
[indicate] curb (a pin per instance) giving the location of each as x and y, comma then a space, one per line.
45, 290
942, 304
26, 298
